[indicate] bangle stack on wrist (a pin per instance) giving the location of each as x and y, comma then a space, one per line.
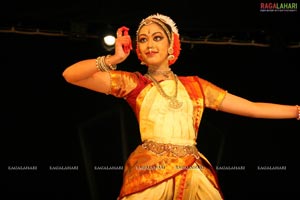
298, 112
103, 64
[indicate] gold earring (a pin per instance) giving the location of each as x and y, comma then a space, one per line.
170, 50
171, 57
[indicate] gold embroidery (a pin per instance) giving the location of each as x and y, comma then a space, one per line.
176, 150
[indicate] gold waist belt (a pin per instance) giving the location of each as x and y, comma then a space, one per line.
176, 150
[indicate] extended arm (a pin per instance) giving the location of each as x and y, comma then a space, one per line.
240, 106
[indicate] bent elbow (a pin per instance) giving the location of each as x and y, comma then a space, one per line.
68, 76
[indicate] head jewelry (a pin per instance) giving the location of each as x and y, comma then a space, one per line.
170, 29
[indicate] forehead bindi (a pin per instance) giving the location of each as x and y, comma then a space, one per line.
151, 29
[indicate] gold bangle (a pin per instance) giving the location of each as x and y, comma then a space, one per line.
298, 112
100, 64
112, 67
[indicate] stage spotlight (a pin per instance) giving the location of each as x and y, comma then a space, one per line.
109, 42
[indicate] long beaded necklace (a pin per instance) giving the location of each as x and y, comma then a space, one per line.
173, 102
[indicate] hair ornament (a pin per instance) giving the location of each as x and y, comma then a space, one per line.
173, 36
163, 18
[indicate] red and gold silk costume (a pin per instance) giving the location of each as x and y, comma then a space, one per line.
167, 165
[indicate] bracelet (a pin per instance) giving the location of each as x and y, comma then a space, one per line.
298, 112
99, 64
102, 66
112, 67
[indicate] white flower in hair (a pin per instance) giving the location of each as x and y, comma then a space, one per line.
166, 20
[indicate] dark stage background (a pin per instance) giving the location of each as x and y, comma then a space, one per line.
48, 123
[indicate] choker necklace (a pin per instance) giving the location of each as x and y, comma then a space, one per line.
165, 73
173, 102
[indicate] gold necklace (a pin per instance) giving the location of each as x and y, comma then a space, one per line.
173, 102
165, 73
